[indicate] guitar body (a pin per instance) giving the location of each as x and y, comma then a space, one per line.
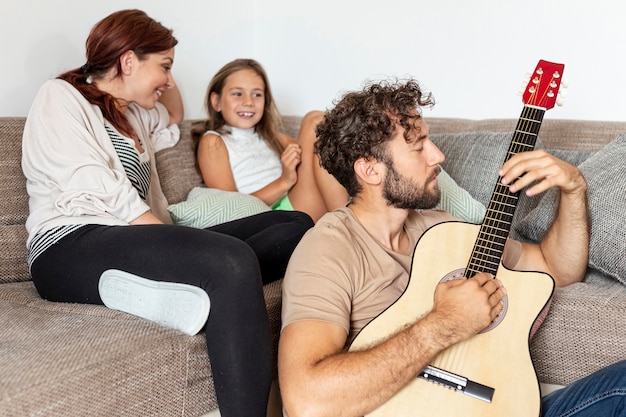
498, 358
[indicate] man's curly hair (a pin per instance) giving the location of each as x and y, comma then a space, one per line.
362, 122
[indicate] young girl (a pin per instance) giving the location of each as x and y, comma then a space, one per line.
96, 232
242, 148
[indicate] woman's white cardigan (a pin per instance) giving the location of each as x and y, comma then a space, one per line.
73, 173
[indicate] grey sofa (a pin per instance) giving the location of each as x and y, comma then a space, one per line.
68, 359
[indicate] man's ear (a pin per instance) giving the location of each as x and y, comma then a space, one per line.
128, 60
368, 171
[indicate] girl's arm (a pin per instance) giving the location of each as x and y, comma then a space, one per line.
290, 159
215, 168
273, 192
214, 163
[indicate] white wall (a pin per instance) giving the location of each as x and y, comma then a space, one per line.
471, 54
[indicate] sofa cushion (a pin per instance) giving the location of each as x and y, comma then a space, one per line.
206, 207
69, 359
584, 331
13, 204
606, 191
457, 201
177, 166
473, 160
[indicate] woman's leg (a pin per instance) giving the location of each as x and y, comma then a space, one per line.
602, 393
237, 331
272, 235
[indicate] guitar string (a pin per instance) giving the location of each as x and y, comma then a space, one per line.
501, 209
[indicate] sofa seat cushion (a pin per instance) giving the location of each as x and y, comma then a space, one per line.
60, 359
584, 331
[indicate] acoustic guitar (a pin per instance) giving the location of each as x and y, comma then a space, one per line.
492, 373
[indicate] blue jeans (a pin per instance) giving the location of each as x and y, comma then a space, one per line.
601, 394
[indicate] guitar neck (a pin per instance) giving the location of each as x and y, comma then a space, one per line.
489, 246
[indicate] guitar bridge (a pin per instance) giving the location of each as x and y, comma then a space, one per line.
457, 383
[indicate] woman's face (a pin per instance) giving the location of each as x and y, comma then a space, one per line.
151, 78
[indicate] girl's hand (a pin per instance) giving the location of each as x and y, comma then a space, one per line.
290, 159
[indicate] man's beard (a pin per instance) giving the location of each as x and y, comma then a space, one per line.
403, 193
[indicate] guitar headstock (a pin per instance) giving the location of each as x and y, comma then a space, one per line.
543, 86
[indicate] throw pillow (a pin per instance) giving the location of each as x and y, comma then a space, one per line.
606, 193
206, 207
457, 201
474, 158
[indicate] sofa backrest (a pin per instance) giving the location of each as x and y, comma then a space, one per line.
13, 202
179, 174
570, 135
177, 167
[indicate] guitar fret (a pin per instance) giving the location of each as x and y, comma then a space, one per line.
495, 227
522, 118
503, 205
489, 257
486, 263
500, 211
473, 271
482, 242
506, 194
525, 146
490, 245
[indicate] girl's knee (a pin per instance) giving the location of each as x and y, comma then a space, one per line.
312, 118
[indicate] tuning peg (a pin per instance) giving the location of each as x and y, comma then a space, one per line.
564, 84
560, 102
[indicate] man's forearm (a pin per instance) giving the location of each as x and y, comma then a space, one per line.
566, 245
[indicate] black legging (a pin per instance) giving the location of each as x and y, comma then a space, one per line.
228, 268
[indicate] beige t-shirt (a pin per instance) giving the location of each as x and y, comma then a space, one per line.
341, 275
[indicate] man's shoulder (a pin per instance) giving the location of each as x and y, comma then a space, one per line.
421, 220
430, 216
333, 232
340, 217
339, 222
343, 221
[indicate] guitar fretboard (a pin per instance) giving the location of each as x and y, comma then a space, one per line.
496, 225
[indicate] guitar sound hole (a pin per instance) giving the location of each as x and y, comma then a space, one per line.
459, 274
